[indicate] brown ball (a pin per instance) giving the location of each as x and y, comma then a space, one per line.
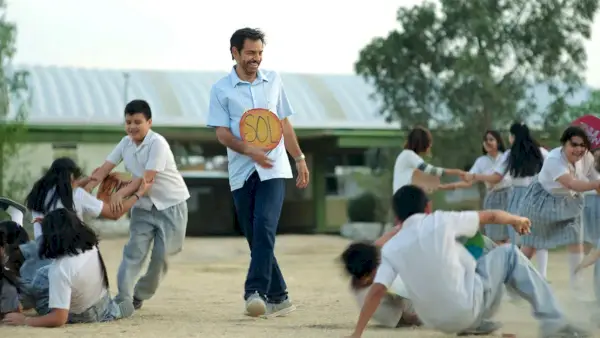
110, 185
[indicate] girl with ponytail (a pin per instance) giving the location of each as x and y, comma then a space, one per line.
519, 164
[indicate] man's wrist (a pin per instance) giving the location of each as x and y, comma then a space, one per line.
300, 158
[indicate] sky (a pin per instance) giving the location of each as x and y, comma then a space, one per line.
309, 36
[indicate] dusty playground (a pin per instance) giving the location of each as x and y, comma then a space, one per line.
201, 296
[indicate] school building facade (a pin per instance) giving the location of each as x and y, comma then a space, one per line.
78, 112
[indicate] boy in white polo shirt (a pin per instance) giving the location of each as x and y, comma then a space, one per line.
450, 290
159, 217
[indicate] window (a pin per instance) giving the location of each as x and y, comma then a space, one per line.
65, 150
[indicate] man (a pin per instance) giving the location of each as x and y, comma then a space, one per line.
160, 216
450, 290
256, 176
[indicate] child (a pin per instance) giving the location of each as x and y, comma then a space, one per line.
393, 310
159, 217
78, 282
554, 202
9, 286
450, 290
410, 160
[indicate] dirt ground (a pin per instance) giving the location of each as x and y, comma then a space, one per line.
201, 296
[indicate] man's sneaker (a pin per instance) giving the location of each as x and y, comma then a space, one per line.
486, 328
137, 303
568, 331
280, 309
255, 306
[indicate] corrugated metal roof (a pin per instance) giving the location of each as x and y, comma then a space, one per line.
74, 96
66, 96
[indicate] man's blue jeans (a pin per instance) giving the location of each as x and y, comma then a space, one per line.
258, 206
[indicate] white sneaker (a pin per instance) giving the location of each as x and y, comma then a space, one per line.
279, 310
255, 306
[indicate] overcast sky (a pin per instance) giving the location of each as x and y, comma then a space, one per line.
309, 36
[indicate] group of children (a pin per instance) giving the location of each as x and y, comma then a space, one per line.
60, 273
534, 203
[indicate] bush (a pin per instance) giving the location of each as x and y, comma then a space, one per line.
363, 208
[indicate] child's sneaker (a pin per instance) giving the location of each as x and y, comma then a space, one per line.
280, 309
255, 306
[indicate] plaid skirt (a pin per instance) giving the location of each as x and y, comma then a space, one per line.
555, 220
515, 198
591, 219
498, 200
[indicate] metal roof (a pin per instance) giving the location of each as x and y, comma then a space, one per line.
75, 96
78, 96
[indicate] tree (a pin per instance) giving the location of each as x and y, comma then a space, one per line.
589, 107
13, 112
470, 65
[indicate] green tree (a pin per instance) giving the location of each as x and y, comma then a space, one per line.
470, 65
13, 112
589, 107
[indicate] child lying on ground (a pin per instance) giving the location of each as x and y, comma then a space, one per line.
77, 277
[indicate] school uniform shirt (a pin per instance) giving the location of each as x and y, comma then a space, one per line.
484, 165
76, 282
557, 165
84, 203
404, 168
388, 312
438, 272
502, 169
154, 153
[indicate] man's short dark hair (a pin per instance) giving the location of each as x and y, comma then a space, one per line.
239, 36
409, 200
138, 106
360, 259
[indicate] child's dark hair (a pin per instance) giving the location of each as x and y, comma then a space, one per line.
15, 234
409, 200
575, 131
418, 140
525, 159
58, 177
7, 273
360, 260
139, 106
64, 234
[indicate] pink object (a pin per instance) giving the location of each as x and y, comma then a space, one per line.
591, 125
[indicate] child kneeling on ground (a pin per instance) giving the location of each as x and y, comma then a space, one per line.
78, 281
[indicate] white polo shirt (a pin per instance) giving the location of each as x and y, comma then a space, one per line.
556, 165
484, 165
438, 272
154, 153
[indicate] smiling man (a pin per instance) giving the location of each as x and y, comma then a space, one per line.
257, 175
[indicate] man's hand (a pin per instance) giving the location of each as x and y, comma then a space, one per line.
303, 174
259, 156
522, 225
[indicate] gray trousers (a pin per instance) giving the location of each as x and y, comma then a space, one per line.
506, 265
165, 229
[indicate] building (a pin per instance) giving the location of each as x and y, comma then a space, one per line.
78, 112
